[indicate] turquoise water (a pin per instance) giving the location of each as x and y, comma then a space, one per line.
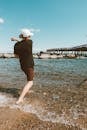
54, 72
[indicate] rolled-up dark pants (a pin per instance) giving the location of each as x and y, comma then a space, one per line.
29, 72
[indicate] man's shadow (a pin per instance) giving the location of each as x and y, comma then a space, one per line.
13, 91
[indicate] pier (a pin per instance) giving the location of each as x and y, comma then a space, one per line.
70, 52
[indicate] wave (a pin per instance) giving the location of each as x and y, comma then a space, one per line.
43, 114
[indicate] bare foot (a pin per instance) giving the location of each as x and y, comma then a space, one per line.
19, 101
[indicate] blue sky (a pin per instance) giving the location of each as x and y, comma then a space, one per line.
56, 23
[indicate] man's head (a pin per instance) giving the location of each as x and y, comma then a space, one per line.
25, 33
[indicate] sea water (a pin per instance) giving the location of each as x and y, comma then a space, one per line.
49, 72
57, 93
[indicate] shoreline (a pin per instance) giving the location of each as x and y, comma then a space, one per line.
30, 115
46, 55
19, 120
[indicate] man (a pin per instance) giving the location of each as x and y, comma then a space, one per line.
23, 49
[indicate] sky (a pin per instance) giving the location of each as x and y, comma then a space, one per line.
55, 23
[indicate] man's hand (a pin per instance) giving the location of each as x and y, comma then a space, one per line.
14, 39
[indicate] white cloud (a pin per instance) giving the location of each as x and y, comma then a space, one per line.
1, 20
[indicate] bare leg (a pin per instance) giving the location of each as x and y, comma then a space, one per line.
25, 90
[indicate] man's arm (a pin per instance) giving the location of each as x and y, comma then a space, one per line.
14, 39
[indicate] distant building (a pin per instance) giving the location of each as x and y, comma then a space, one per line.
78, 50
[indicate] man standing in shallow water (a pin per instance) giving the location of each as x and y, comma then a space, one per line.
23, 50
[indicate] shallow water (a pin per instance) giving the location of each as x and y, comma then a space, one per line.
47, 72
60, 92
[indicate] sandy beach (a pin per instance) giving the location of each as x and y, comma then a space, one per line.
11, 119
14, 117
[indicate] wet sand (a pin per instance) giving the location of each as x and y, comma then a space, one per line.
11, 119
69, 104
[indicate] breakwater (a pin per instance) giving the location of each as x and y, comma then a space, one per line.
7, 55
55, 53
47, 55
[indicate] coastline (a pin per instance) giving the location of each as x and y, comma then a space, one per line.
46, 55
11, 119
58, 101
69, 107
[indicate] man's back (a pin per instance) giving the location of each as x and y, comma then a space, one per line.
24, 50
